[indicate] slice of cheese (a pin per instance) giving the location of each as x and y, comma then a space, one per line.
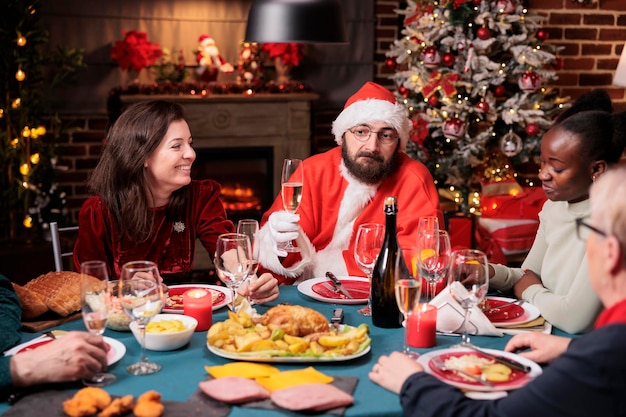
242, 369
293, 378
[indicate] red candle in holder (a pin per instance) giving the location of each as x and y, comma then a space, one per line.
198, 303
423, 326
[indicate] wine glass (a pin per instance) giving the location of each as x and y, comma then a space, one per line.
95, 301
369, 239
427, 223
140, 294
232, 261
291, 192
468, 281
408, 288
250, 228
433, 247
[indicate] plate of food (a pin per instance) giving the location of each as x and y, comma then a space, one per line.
501, 376
115, 348
509, 314
174, 302
322, 289
287, 333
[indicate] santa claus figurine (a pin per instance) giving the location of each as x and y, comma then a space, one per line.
210, 62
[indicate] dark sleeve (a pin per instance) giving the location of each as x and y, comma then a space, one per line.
209, 213
589, 379
10, 324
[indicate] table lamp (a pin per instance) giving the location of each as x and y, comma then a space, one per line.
620, 73
295, 21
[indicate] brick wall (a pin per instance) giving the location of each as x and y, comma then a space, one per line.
593, 36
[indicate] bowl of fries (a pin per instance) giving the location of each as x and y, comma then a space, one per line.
167, 331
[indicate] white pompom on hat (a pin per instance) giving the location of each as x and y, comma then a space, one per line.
373, 103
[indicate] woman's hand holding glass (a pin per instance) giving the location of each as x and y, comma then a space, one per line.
141, 300
369, 239
468, 282
95, 302
232, 261
433, 261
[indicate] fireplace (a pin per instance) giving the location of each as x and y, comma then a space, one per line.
246, 177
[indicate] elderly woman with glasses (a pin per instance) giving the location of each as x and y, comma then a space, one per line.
586, 375
346, 186
577, 149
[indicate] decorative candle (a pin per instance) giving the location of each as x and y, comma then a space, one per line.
198, 303
422, 328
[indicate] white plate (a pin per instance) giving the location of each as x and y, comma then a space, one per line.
182, 288
306, 288
521, 379
531, 312
261, 357
115, 353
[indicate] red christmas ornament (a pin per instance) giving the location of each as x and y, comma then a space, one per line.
454, 128
404, 92
483, 106
390, 63
532, 129
433, 101
476, 2
431, 56
529, 81
558, 64
448, 59
415, 39
505, 6
543, 34
483, 33
499, 91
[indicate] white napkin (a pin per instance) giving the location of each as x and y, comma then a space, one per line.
450, 315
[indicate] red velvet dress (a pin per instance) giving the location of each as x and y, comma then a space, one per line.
173, 246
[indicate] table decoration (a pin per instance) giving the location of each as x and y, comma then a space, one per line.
198, 303
422, 326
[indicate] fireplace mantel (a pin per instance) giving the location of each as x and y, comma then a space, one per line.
279, 121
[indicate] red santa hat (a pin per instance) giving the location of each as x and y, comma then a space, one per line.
373, 103
204, 37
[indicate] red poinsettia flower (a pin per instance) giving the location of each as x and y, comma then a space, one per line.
135, 51
289, 53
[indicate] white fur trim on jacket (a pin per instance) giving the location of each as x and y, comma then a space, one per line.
270, 260
372, 110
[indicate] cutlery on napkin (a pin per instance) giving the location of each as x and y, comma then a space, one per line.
450, 316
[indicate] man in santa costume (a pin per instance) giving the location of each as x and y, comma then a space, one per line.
345, 187
210, 62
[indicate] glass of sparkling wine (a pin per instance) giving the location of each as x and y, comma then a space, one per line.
95, 301
232, 261
250, 228
408, 289
369, 239
141, 296
291, 191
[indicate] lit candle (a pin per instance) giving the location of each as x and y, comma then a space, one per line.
198, 303
423, 326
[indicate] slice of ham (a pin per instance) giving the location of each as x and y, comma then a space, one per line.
234, 390
315, 397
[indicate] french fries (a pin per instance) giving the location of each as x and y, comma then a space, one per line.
239, 334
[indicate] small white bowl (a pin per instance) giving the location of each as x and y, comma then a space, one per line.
170, 340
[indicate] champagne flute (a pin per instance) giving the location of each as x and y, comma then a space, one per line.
369, 239
140, 294
427, 223
433, 247
250, 228
468, 281
95, 302
232, 261
291, 191
408, 288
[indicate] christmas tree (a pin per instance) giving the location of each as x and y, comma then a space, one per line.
474, 75
28, 129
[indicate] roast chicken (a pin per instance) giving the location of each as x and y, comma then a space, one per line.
295, 320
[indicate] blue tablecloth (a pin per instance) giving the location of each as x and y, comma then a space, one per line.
183, 369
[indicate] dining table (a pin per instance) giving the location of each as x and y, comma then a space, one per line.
183, 369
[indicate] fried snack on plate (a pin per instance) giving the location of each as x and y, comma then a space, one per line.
148, 405
118, 407
86, 401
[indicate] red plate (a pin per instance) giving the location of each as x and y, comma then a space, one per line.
497, 315
516, 379
358, 289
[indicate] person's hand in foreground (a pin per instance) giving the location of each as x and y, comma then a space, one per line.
262, 289
74, 356
544, 347
391, 371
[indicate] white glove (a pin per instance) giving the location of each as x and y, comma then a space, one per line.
283, 228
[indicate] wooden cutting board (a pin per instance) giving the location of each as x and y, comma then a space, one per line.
46, 322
